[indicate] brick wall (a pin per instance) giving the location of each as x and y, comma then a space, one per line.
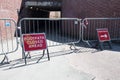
91, 8
8, 9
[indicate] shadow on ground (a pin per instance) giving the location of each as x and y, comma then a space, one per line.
17, 63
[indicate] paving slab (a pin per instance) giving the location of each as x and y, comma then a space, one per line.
57, 68
104, 65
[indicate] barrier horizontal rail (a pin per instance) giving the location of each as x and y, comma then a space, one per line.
58, 31
91, 24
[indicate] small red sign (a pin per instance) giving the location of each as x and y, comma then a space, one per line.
103, 35
34, 42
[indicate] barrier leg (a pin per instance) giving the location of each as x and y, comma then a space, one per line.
41, 56
28, 55
101, 45
73, 45
5, 58
24, 57
48, 55
110, 44
75, 50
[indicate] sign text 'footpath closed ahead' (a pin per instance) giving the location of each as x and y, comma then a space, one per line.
34, 42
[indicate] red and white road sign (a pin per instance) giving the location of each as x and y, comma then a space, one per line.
103, 34
32, 42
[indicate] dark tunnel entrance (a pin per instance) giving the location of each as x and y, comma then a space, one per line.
36, 12
39, 9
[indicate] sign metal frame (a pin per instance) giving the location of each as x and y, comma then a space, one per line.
103, 37
38, 36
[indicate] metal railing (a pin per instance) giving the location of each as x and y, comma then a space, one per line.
91, 24
58, 31
8, 43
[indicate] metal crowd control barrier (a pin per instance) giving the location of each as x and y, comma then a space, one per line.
91, 24
58, 31
8, 43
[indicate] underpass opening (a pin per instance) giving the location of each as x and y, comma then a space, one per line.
36, 12
47, 20
39, 9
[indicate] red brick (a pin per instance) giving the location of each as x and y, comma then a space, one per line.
8, 9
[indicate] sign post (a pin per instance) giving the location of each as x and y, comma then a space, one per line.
103, 36
35, 42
